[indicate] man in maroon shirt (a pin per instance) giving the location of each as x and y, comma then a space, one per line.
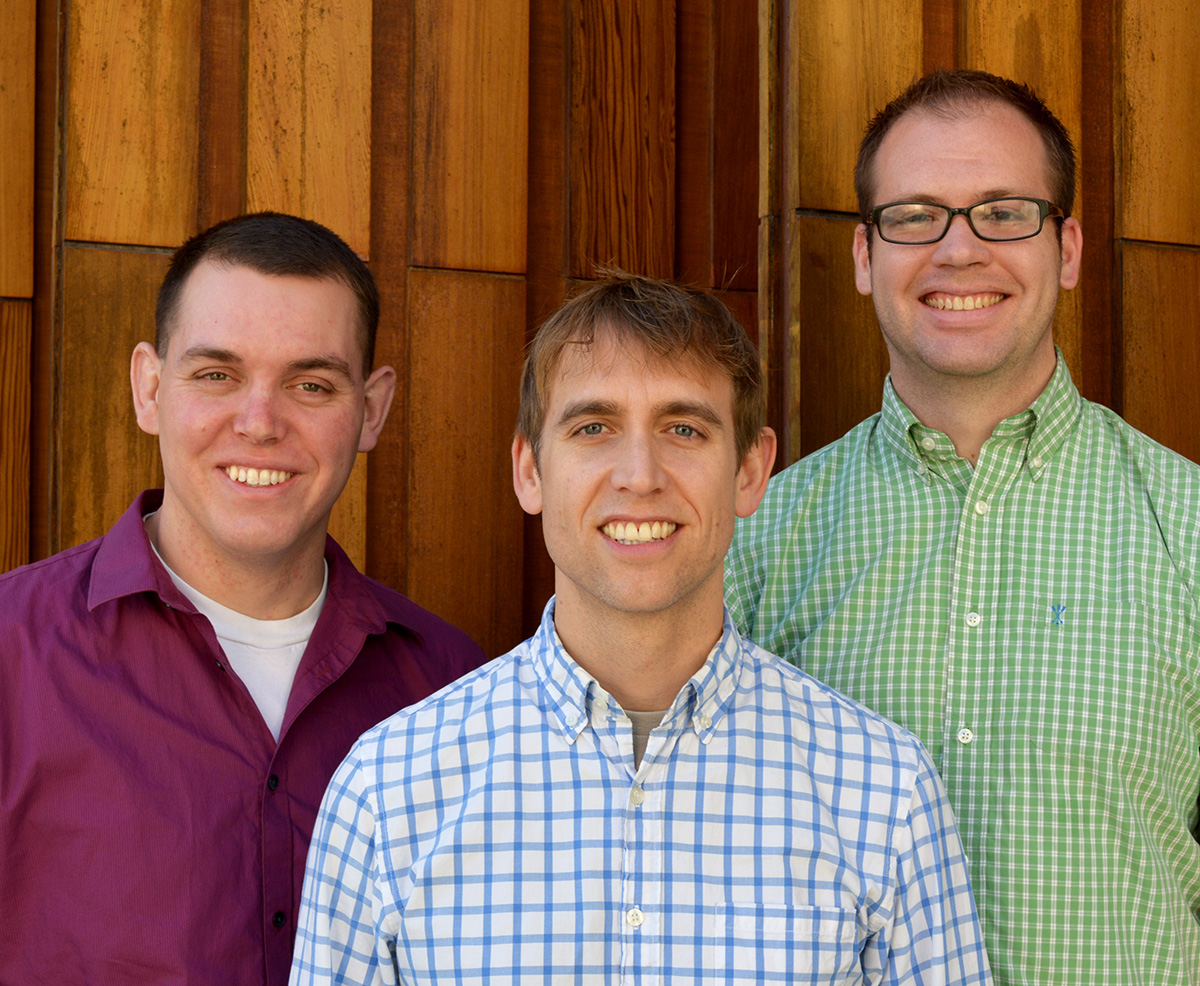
175, 695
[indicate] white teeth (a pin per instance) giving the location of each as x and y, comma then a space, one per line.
962, 303
633, 533
257, 477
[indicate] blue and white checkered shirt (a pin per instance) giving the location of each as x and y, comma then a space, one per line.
500, 832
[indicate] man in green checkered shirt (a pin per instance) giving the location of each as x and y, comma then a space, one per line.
1007, 569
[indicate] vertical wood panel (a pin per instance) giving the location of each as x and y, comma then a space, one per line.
470, 133
15, 326
853, 58
1158, 126
17, 71
222, 154
1161, 346
308, 123
103, 458
348, 522
843, 358
623, 136
131, 121
465, 523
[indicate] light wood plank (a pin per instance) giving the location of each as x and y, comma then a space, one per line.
17, 64
102, 459
132, 96
308, 121
465, 535
852, 59
1157, 126
1161, 345
16, 320
470, 134
622, 136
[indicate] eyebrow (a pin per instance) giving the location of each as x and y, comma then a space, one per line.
701, 410
994, 193
334, 364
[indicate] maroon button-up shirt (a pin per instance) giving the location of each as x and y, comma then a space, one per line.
151, 830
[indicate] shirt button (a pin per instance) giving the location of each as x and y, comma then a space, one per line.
634, 917
272, 782
922, 469
705, 722
927, 443
974, 619
981, 507
637, 796
572, 719
279, 920
1036, 462
602, 706
965, 736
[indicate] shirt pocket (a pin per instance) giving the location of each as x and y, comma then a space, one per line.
781, 943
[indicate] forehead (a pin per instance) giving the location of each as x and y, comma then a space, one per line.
968, 151
220, 302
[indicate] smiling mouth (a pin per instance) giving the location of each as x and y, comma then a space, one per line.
961, 302
257, 477
632, 532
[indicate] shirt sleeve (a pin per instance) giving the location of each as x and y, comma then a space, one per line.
935, 938
337, 937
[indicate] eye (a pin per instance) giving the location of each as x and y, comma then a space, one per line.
309, 387
215, 375
592, 428
684, 431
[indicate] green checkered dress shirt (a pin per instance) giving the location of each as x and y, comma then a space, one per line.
1034, 621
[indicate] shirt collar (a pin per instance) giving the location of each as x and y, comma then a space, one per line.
125, 564
1043, 425
572, 695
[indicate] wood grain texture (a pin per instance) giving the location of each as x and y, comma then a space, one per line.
130, 156
843, 360
1161, 346
308, 120
853, 59
348, 522
102, 459
17, 79
16, 322
222, 160
470, 134
1158, 129
465, 539
623, 136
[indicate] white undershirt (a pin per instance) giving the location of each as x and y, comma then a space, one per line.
263, 653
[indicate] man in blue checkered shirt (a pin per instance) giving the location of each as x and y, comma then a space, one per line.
636, 793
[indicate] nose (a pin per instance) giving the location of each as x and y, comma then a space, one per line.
638, 468
258, 418
960, 247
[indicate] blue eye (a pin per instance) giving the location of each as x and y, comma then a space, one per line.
595, 428
684, 431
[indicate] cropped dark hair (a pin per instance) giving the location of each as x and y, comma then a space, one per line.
279, 245
665, 320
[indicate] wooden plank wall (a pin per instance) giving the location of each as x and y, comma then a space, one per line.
1116, 74
483, 155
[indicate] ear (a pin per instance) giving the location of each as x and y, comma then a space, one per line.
145, 372
1072, 253
378, 392
526, 482
862, 260
755, 472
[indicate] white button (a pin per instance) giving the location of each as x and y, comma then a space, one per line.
705, 721
634, 917
974, 619
922, 469
965, 736
572, 719
1036, 462
602, 705
927, 443
981, 507
637, 796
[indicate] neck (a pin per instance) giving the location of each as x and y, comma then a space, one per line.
265, 589
966, 409
641, 659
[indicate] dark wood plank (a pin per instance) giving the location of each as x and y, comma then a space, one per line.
222, 165
17, 79
695, 72
940, 34
103, 460
623, 136
16, 321
465, 525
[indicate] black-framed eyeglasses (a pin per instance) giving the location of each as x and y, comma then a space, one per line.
1000, 220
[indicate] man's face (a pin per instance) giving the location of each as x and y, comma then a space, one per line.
959, 160
260, 407
638, 481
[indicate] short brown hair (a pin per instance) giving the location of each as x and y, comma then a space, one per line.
665, 319
948, 92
